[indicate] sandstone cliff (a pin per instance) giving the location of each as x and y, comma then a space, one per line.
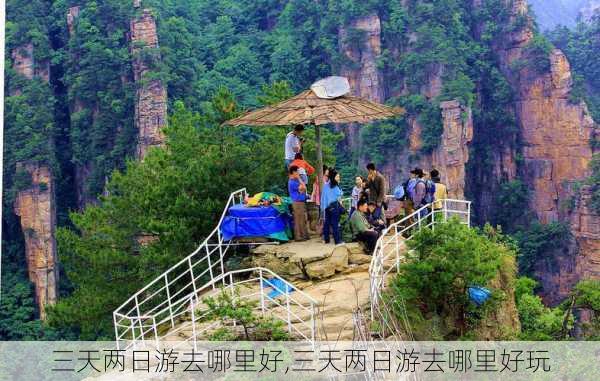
35, 206
555, 133
360, 43
151, 94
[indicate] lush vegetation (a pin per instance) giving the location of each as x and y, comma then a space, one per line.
174, 196
580, 45
432, 284
81, 124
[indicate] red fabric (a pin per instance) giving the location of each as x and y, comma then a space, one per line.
301, 163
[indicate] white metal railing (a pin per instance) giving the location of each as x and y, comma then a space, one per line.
295, 308
159, 304
390, 249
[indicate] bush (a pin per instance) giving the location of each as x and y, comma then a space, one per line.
538, 322
432, 284
538, 241
241, 312
537, 52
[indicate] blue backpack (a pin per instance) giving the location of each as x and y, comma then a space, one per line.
399, 192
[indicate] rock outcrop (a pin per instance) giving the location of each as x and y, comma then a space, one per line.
311, 260
151, 94
452, 155
360, 43
556, 133
25, 64
585, 226
35, 206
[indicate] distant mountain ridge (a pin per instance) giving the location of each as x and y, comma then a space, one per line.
551, 13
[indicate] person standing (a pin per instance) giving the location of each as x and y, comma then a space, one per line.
297, 192
362, 231
331, 207
441, 191
376, 188
304, 169
293, 144
357, 192
417, 188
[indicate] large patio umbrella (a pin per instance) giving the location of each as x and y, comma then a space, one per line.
307, 108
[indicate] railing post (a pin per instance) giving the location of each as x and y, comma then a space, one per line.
210, 267
155, 333
116, 330
287, 306
232, 292
221, 253
193, 277
262, 292
468, 214
137, 308
419, 218
193, 324
133, 332
169, 301
432, 217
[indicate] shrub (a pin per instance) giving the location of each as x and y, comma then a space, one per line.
538, 54
432, 284
233, 309
538, 240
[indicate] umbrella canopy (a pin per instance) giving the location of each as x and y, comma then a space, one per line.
307, 108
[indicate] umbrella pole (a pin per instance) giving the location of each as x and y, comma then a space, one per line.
319, 157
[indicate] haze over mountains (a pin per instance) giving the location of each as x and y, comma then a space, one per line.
551, 13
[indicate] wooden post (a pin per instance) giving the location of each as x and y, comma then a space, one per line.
319, 149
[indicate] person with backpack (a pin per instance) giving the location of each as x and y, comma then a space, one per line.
441, 191
417, 188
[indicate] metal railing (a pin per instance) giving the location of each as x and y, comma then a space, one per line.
390, 248
295, 308
159, 304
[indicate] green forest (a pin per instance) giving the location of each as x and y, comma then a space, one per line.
219, 58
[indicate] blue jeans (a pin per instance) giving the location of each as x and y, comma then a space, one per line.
332, 222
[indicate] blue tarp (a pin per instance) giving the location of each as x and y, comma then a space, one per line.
279, 287
478, 295
255, 221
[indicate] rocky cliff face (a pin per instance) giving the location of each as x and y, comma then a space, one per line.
360, 43
151, 94
452, 155
35, 206
25, 64
555, 133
